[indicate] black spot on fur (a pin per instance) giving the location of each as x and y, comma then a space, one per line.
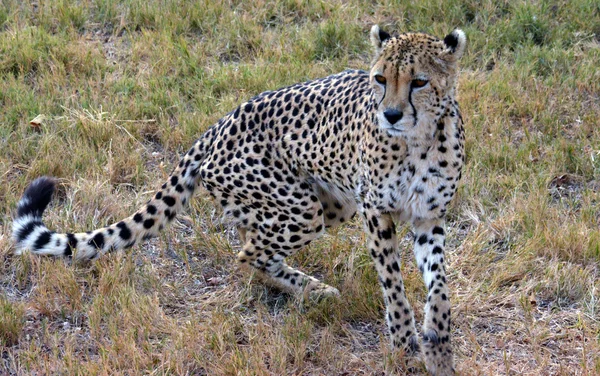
148, 223
386, 234
125, 233
97, 241
170, 215
71, 245
170, 201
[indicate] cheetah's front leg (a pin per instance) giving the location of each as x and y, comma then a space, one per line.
429, 252
383, 246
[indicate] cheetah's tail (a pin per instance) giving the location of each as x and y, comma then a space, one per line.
30, 233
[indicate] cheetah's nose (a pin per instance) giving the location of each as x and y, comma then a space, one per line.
392, 116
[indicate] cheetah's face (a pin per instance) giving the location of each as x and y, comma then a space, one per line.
411, 77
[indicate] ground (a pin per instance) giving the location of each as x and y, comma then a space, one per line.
125, 87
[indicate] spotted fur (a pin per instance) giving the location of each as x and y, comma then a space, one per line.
289, 163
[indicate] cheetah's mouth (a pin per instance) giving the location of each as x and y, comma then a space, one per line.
398, 129
395, 132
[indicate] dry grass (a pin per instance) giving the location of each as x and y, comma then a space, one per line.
126, 86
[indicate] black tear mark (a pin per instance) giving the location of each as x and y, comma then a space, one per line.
413, 107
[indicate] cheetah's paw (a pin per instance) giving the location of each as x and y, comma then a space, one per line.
437, 353
316, 291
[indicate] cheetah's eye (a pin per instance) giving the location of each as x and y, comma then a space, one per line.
380, 79
418, 83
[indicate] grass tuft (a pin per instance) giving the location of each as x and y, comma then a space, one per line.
12, 320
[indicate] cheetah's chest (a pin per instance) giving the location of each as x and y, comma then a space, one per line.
411, 190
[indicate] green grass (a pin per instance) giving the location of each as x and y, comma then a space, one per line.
126, 87
11, 322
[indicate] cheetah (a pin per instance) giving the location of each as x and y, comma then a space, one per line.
290, 163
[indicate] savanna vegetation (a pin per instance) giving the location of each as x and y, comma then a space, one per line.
124, 87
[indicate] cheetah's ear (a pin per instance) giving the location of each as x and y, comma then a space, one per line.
455, 42
378, 36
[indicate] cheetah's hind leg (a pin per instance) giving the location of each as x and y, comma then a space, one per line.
271, 268
268, 243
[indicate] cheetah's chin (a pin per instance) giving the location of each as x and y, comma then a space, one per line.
394, 132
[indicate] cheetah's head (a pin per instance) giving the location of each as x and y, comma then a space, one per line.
413, 77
